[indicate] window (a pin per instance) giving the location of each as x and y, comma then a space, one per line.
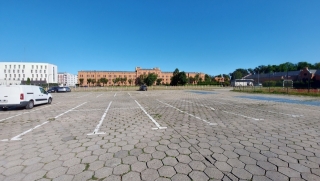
14, 66
24, 66
41, 66
44, 71
19, 75
8, 71
4, 71
31, 71
24, 75
19, 66
13, 71
32, 75
10, 75
39, 71
10, 66
6, 66
36, 71
14, 75
37, 66
22, 71
6, 75
32, 66
17, 71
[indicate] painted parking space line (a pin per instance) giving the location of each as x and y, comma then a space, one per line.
70, 110
17, 138
154, 121
200, 104
129, 94
99, 95
115, 95
256, 119
292, 115
26, 112
213, 124
96, 130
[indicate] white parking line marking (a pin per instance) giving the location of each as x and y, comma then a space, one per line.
200, 105
292, 115
188, 114
70, 110
154, 121
96, 130
115, 95
99, 95
24, 113
129, 94
18, 136
256, 119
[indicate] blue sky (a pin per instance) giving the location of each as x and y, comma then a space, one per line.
214, 37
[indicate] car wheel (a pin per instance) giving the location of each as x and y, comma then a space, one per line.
49, 100
30, 105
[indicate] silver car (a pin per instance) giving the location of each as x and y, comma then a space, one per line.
64, 89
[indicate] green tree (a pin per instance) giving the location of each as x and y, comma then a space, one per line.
93, 81
159, 81
150, 79
114, 81
28, 81
196, 78
89, 81
179, 79
130, 81
81, 81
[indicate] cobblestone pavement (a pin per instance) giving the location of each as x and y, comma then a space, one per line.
160, 135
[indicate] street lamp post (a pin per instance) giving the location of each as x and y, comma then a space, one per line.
48, 81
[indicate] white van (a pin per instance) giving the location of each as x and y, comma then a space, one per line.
23, 96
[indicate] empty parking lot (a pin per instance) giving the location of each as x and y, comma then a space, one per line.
162, 135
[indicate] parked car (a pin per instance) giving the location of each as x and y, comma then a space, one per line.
23, 96
143, 88
64, 89
53, 89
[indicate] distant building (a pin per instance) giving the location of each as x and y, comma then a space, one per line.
19, 72
132, 76
300, 75
67, 79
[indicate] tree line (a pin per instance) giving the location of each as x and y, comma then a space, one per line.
265, 69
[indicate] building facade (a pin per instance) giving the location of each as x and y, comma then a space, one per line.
17, 72
67, 79
304, 74
131, 76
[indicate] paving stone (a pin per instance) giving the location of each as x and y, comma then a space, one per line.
113, 162
235, 163
96, 165
76, 169
273, 175
219, 157
86, 175
103, 172
288, 172
121, 169
149, 174
255, 170
169, 161
121, 154
242, 173
139, 166
166, 171
308, 164
131, 176
214, 173
267, 166
144, 157
89, 159
172, 153
258, 157
223, 166
299, 167
278, 162
247, 160
56, 172
199, 176
184, 158
135, 152
34, 175
260, 178
288, 159
230, 154
129, 160
64, 178
158, 155
183, 168
113, 178
310, 177
13, 170
180, 177
155, 164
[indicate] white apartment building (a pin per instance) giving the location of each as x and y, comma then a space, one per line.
67, 79
15, 72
